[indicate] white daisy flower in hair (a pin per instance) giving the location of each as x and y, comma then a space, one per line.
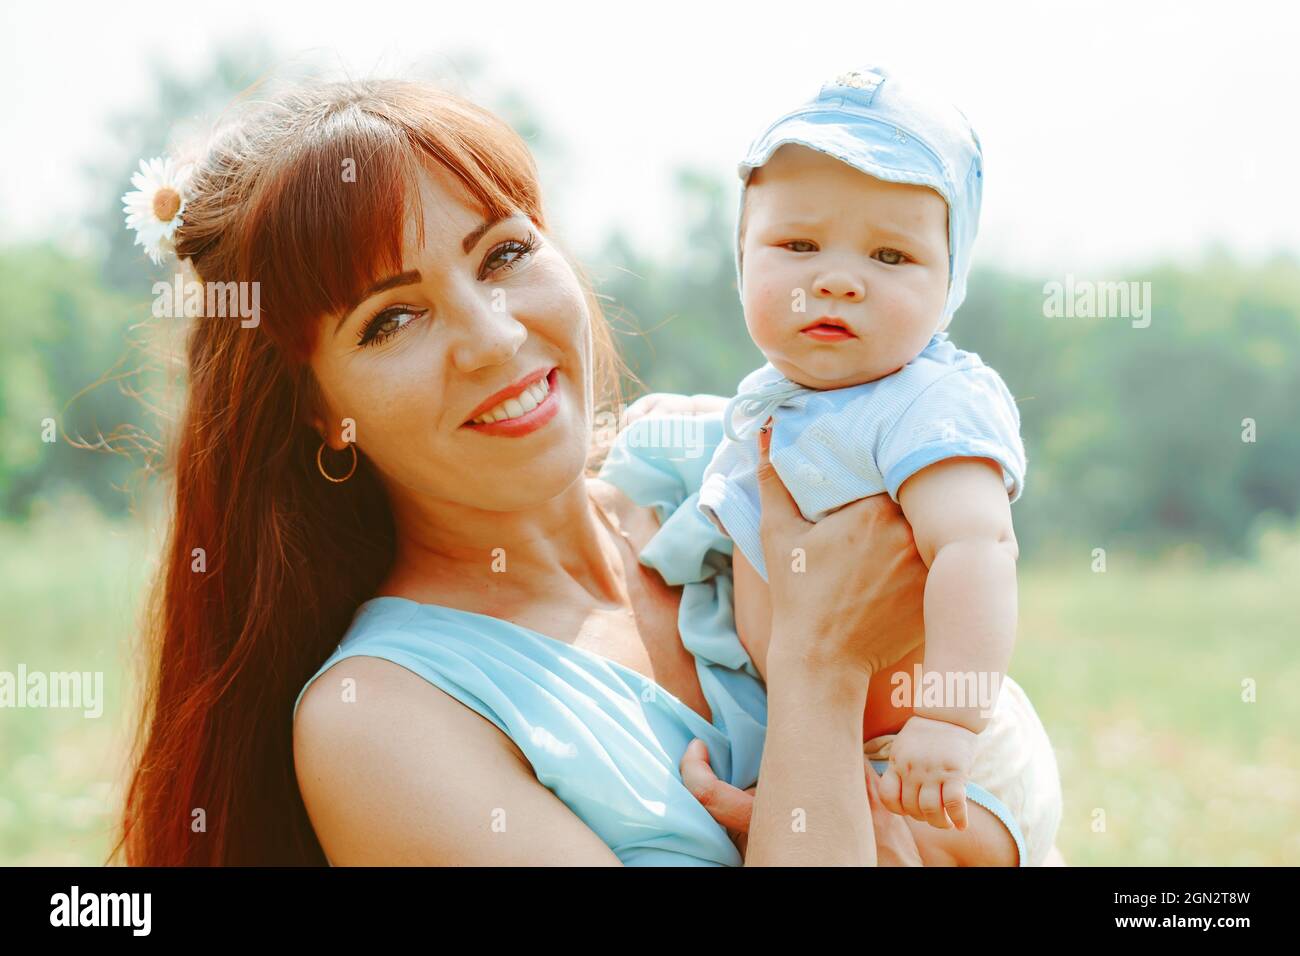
155, 208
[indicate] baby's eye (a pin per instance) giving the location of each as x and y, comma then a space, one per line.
810, 246
890, 257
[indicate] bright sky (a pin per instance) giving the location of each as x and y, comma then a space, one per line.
1113, 133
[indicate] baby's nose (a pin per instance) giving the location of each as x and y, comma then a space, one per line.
840, 287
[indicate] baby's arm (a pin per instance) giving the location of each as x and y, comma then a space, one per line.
961, 520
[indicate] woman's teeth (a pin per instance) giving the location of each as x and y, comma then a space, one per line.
525, 401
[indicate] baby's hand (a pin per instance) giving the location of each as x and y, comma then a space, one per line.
929, 763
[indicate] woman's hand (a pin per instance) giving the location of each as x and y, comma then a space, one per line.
848, 591
733, 808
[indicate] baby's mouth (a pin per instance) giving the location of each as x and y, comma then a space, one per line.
828, 328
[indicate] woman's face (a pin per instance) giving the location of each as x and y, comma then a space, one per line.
484, 313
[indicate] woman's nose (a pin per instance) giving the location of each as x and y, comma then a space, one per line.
839, 285
488, 335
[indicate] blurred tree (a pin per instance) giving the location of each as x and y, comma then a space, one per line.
687, 333
178, 103
1134, 435
63, 331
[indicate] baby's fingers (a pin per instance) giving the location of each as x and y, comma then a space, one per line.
954, 801
890, 786
911, 797
930, 802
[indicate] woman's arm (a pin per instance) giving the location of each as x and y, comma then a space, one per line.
811, 809
407, 775
834, 624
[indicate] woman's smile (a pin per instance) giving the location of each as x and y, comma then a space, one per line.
519, 409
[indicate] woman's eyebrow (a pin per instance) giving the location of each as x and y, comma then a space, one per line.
409, 277
470, 241
412, 276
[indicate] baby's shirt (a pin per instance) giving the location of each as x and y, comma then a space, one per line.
835, 446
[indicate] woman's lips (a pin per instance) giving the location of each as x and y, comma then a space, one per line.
531, 420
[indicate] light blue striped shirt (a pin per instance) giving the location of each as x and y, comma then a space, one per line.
835, 446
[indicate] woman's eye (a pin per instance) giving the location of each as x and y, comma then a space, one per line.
803, 245
890, 257
506, 255
386, 324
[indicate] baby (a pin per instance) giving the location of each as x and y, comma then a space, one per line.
857, 218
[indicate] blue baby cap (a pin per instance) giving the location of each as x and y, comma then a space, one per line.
895, 131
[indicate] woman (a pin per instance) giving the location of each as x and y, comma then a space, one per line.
397, 455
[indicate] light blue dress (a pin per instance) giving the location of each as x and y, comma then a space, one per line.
605, 739
602, 737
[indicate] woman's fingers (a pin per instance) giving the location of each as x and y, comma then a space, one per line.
895, 844
730, 806
774, 497
854, 616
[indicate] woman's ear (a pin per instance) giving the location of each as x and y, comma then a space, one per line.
335, 432
336, 435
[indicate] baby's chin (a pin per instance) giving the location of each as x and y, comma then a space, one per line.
829, 371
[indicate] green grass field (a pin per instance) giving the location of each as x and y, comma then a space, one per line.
1136, 672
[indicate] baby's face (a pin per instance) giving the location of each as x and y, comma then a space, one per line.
869, 255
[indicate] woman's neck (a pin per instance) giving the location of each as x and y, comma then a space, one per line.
557, 550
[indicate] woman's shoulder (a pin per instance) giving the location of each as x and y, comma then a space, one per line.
353, 700
388, 665
369, 765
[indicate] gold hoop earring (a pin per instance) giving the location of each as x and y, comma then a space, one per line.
321, 466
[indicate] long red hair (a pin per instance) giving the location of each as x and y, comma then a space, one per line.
289, 556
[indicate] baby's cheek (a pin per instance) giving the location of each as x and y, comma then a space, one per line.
767, 311
907, 327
